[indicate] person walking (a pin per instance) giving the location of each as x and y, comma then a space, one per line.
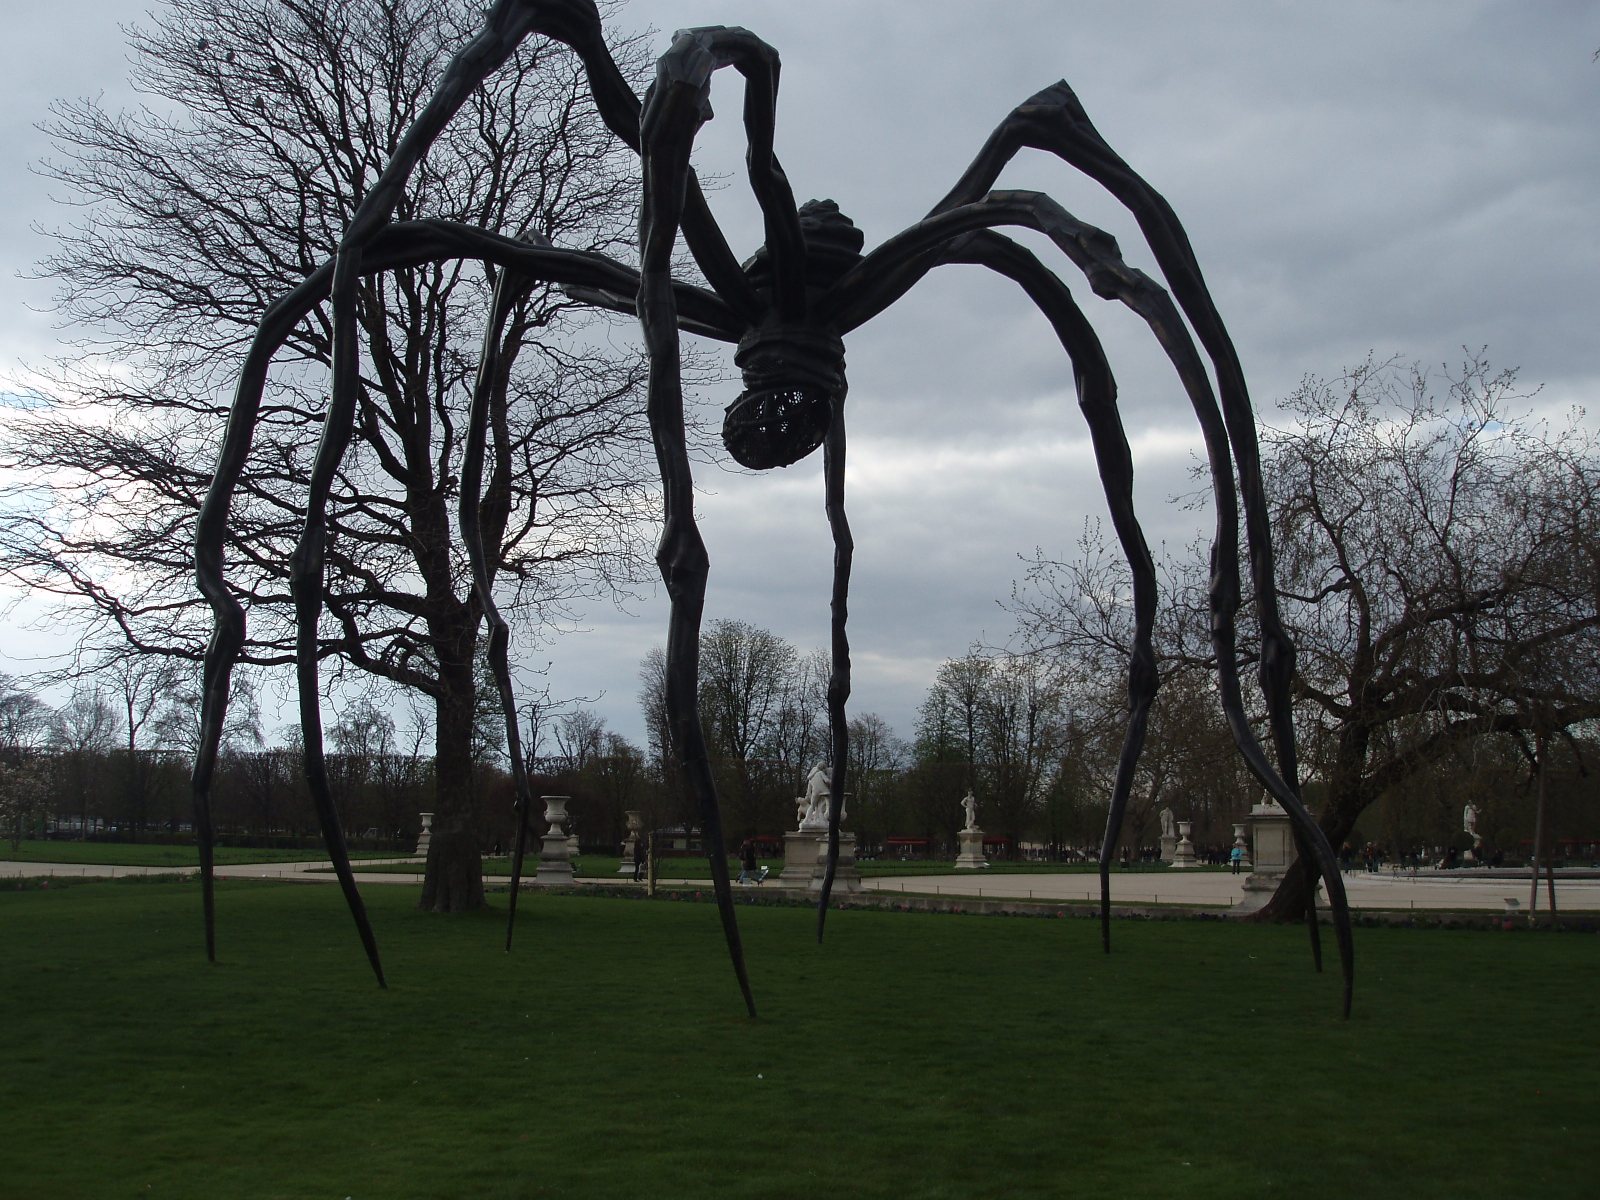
747, 862
1236, 858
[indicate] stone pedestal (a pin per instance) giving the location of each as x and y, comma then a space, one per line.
971, 857
1183, 852
846, 875
555, 863
635, 826
800, 848
425, 838
1169, 847
1273, 841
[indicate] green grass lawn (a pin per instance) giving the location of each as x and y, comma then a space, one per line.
150, 854
911, 1056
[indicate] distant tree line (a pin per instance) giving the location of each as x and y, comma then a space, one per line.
1439, 558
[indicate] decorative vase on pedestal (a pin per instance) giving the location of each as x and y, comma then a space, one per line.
555, 858
1183, 853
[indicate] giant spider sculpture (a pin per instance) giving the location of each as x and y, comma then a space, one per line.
787, 310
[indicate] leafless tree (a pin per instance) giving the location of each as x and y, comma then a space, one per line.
27, 723
763, 706
799, 733
877, 756
1439, 553
580, 738
266, 120
747, 674
946, 747
1001, 719
27, 726
616, 777
84, 737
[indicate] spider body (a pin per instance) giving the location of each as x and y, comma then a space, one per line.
792, 370
787, 309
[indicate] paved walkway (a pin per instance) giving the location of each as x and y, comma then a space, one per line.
1576, 891
1384, 890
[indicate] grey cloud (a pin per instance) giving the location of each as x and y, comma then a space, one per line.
1404, 178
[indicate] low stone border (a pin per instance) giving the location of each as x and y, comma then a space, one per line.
782, 897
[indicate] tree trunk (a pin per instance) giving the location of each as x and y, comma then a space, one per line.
453, 880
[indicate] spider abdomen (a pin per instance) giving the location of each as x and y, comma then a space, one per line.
791, 376
775, 427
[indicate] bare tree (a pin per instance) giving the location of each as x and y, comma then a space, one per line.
84, 736
746, 676
995, 723
763, 706
799, 734
674, 803
177, 721
1021, 729
617, 778
946, 747
267, 120
1440, 561
27, 725
876, 758
580, 738
363, 737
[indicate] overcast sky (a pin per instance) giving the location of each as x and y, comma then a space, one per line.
1404, 178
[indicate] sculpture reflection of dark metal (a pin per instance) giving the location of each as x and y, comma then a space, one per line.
787, 311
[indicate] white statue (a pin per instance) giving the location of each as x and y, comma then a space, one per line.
1469, 820
969, 803
819, 785
1168, 824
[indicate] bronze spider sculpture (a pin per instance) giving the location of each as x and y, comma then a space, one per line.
787, 310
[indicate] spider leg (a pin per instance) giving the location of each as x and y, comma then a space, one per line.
695, 55
575, 22
397, 246
1055, 121
689, 64
674, 109
1097, 399
505, 27
228, 615
1095, 253
833, 455
509, 290
305, 587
